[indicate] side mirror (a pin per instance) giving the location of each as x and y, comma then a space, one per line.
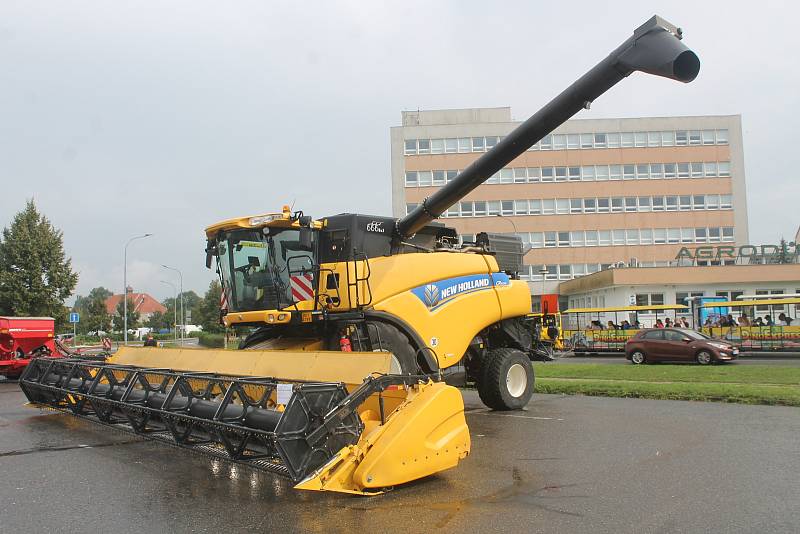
305, 238
211, 251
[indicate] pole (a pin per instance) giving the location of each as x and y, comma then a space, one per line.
125, 286
174, 307
509, 220
183, 314
543, 272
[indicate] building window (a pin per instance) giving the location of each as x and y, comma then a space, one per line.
727, 233
573, 141
423, 146
437, 146
410, 146
700, 235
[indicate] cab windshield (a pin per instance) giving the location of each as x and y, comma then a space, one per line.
266, 269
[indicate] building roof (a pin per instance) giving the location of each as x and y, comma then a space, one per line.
143, 303
645, 276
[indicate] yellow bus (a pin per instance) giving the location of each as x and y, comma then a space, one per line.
607, 329
745, 322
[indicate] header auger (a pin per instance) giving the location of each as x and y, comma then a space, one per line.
358, 324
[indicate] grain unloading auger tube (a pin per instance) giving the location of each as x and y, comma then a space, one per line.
331, 420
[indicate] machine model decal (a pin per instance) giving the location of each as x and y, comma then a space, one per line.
377, 227
437, 294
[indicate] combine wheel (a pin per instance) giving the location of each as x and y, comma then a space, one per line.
404, 360
507, 381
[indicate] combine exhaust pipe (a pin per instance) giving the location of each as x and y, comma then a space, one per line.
654, 48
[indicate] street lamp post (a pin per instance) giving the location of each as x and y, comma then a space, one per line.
509, 219
174, 306
125, 284
183, 315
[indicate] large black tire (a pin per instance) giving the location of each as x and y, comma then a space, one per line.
386, 337
507, 379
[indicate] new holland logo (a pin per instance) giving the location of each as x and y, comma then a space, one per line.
436, 294
376, 226
431, 295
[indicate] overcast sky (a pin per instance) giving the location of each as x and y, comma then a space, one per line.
121, 118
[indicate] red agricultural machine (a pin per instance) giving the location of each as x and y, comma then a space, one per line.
23, 338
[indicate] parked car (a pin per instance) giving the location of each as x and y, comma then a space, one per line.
678, 344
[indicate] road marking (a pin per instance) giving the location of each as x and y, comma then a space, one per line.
486, 411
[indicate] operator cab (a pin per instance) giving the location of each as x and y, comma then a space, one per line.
269, 268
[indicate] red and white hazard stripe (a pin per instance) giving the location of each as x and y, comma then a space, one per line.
302, 286
223, 298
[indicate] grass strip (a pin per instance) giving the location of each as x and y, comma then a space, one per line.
718, 392
730, 373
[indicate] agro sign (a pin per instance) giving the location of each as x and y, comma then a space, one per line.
733, 252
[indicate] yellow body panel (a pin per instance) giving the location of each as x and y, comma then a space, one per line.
426, 434
318, 366
448, 329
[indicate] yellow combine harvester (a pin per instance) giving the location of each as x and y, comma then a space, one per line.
359, 322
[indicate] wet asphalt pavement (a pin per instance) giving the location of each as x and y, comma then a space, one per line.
566, 464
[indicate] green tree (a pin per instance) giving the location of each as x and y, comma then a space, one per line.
206, 313
94, 314
158, 320
35, 274
133, 316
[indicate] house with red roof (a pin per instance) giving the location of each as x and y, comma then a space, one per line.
144, 304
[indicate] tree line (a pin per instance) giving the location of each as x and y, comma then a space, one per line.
203, 311
36, 277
